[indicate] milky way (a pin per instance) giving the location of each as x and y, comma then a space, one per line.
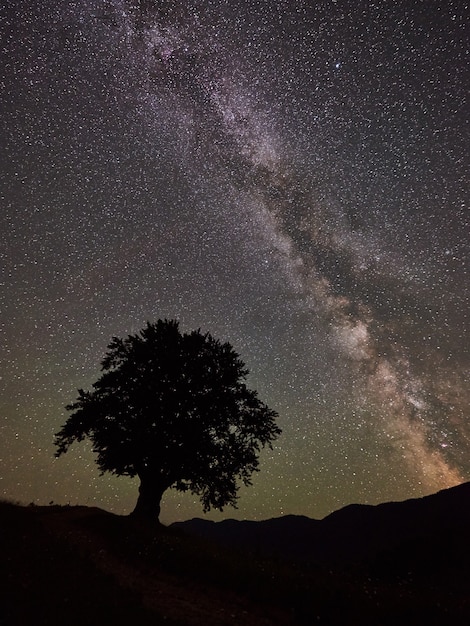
290, 176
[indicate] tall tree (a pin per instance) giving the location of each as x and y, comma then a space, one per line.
173, 409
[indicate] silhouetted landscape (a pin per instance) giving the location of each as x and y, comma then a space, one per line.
405, 563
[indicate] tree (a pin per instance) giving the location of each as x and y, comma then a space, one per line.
173, 409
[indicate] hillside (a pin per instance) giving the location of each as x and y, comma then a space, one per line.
401, 563
436, 526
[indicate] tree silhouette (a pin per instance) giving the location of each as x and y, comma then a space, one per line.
174, 410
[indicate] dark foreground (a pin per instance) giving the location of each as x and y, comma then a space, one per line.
80, 566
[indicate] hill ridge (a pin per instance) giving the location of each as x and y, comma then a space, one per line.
354, 533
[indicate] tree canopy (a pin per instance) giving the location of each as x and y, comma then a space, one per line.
173, 409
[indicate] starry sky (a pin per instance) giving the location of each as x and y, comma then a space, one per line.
290, 176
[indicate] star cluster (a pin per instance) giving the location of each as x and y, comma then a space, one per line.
290, 176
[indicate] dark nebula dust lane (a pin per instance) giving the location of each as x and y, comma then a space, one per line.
290, 176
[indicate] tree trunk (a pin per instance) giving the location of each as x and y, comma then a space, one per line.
148, 502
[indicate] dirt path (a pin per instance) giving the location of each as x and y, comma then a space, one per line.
172, 598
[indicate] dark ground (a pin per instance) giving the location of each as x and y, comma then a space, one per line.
84, 566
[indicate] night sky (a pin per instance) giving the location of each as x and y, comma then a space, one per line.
290, 176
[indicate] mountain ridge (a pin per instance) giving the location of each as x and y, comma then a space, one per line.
356, 533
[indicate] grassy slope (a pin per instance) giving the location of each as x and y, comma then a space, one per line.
77, 565
46, 580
